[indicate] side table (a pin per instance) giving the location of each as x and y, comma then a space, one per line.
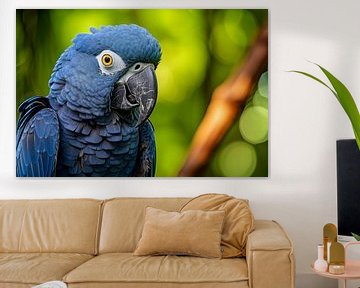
352, 268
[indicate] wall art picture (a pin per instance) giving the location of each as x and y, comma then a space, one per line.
142, 93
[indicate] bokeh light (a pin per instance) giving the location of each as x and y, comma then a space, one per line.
238, 159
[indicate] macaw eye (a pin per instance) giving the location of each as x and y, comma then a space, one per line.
110, 62
107, 60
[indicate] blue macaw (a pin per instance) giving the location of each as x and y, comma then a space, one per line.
94, 122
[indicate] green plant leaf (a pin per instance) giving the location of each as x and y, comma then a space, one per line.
356, 236
316, 79
347, 102
344, 97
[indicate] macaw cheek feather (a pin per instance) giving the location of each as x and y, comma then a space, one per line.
140, 89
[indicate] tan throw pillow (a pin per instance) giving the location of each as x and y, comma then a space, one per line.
196, 233
239, 221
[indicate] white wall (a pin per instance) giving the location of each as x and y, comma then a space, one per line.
305, 121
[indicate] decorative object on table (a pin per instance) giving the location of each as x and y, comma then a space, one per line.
340, 267
320, 264
337, 258
344, 97
336, 269
329, 236
52, 284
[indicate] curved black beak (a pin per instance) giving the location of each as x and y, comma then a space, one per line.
137, 89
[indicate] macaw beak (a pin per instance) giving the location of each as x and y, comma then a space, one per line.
136, 89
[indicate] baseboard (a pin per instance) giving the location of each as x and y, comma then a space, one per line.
309, 280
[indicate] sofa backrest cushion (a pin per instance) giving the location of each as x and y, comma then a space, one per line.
123, 220
64, 226
239, 220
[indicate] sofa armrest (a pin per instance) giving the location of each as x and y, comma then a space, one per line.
269, 256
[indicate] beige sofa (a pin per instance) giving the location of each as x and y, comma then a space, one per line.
89, 243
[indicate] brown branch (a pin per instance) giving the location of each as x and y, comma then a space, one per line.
226, 103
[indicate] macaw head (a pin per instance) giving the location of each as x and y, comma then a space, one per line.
110, 70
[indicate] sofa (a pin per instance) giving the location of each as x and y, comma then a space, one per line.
90, 243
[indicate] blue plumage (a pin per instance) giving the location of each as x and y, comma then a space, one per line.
94, 122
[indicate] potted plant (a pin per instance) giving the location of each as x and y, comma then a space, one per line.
347, 102
344, 97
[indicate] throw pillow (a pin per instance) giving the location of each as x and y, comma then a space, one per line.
239, 220
196, 233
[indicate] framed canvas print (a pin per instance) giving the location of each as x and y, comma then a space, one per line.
113, 93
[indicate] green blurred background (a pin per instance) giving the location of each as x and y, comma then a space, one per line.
201, 48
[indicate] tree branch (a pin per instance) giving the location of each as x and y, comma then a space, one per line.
226, 104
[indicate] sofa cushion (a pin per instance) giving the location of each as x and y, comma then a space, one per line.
239, 220
63, 226
36, 268
193, 232
126, 268
123, 218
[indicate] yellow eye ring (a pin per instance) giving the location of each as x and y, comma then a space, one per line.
107, 60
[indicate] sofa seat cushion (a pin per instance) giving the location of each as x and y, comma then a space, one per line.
127, 268
36, 268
